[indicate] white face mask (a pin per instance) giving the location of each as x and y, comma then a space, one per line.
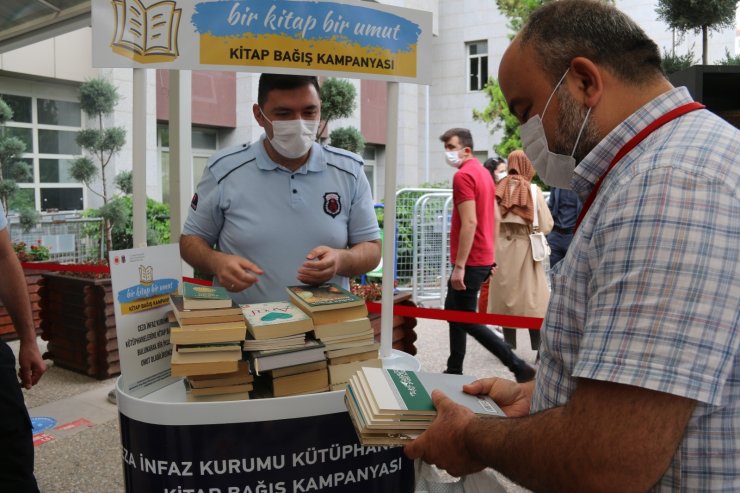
555, 170
500, 176
453, 158
292, 138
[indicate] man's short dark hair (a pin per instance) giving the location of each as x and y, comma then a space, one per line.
560, 31
463, 135
268, 82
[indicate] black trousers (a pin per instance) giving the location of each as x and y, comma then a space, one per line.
16, 438
467, 300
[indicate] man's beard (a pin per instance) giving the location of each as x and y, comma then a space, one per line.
572, 115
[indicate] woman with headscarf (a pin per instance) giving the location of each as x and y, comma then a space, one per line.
519, 286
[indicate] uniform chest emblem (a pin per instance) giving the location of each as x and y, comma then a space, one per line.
332, 204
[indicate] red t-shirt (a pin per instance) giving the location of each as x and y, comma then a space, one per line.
474, 182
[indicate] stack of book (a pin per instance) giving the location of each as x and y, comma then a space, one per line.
287, 361
341, 324
206, 330
391, 407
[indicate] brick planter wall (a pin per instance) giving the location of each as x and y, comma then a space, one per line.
34, 281
404, 335
78, 321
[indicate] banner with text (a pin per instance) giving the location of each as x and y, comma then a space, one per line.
315, 453
142, 280
340, 39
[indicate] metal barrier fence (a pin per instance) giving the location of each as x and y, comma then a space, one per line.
422, 243
69, 240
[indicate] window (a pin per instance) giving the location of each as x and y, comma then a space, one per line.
477, 65
204, 142
48, 128
369, 155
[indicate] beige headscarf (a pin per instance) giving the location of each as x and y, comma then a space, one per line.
512, 193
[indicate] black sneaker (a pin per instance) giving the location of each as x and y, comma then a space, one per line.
525, 373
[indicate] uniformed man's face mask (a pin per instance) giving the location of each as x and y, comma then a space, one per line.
292, 138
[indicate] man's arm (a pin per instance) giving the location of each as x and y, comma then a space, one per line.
608, 437
468, 223
233, 272
14, 295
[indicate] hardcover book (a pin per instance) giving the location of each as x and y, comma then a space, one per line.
293, 370
198, 297
289, 342
241, 376
203, 334
209, 347
275, 319
323, 297
263, 361
341, 373
343, 328
299, 383
203, 316
184, 364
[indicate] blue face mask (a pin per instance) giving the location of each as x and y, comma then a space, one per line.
555, 169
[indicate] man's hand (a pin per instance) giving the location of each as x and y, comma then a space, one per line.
513, 398
31, 364
443, 444
321, 265
457, 279
236, 273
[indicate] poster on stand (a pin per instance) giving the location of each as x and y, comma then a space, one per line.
142, 280
350, 38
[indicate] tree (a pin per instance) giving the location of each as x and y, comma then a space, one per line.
517, 11
674, 63
337, 101
12, 168
348, 138
98, 98
497, 116
698, 16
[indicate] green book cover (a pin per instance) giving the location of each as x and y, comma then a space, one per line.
199, 292
324, 296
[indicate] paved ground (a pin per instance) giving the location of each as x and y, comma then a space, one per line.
81, 453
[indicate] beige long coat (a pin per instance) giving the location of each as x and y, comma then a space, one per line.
519, 286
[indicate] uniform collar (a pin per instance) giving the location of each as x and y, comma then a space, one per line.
316, 160
597, 161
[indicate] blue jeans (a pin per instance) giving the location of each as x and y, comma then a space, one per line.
467, 300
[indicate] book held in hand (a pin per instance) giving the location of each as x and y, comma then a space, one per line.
275, 319
391, 407
197, 297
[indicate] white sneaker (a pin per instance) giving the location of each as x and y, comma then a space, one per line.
498, 330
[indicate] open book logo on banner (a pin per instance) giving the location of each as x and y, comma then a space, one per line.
146, 33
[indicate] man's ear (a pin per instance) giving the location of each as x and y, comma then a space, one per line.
258, 115
585, 81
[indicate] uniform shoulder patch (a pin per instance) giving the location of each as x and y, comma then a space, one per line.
194, 202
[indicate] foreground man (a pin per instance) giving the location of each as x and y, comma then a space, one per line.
639, 380
283, 210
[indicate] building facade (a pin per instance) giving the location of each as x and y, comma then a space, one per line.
41, 83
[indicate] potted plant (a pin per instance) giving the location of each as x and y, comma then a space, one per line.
403, 327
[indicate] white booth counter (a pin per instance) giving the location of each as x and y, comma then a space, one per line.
280, 445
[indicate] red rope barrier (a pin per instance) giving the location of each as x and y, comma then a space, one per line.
372, 307
460, 316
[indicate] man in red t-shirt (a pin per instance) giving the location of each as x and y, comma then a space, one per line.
471, 252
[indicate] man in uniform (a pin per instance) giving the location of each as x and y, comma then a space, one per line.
283, 210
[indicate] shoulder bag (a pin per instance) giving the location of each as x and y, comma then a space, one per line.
540, 248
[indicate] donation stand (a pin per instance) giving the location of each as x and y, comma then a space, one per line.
283, 445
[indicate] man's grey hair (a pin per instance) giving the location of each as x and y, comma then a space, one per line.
562, 30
